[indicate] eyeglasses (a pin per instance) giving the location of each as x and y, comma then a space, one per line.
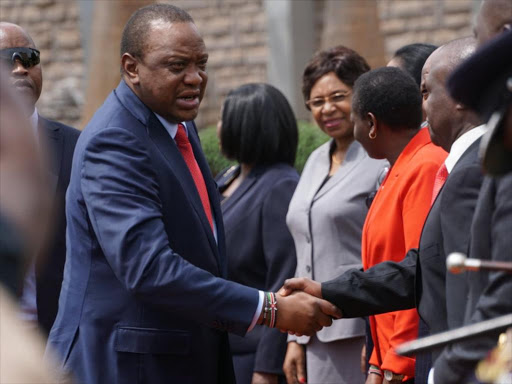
335, 98
28, 57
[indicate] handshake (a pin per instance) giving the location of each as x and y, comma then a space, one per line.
300, 309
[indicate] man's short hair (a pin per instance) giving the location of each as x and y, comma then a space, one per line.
391, 95
258, 126
137, 28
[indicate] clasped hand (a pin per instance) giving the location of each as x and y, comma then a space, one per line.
302, 311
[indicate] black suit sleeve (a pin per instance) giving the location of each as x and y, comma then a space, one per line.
458, 360
281, 261
386, 287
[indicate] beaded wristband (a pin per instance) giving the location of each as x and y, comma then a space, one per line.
375, 369
270, 310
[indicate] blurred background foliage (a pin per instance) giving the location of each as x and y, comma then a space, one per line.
310, 138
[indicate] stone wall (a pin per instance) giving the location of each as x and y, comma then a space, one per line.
235, 32
429, 21
54, 26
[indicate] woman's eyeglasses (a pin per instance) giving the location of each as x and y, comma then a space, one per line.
336, 98
28, 57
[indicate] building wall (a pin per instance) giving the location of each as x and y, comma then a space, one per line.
431, 21
235, 33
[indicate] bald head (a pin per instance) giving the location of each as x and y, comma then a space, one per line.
10, 30
447, 119
27, 81
494, 17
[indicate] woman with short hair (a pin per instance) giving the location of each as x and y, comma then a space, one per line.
327, 213
387, 115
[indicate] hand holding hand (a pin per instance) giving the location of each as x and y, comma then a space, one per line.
304, 314
309, 286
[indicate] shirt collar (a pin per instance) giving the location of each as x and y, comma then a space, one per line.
461, 145
171, 128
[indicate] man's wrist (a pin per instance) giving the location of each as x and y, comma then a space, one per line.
268, 314
375, 370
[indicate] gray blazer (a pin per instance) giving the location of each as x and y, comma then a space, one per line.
326, 222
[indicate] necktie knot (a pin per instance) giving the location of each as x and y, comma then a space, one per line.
441, 175
181, 137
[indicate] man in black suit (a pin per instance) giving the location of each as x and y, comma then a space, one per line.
421, 279
489, 294
18, 51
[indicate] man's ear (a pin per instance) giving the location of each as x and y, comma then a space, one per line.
460, 107
373, 123
130, 67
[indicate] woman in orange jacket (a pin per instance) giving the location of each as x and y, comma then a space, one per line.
386, 110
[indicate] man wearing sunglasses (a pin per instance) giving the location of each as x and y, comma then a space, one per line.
18, 54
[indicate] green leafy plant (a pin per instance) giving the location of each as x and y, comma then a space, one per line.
310, 138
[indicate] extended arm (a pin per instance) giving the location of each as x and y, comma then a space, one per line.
121, 196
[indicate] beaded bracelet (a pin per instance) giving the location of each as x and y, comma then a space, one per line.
375, 369
270, 310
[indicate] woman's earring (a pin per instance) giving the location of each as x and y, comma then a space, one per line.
372, 136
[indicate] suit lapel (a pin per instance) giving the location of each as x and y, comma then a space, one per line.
213, 194
50, 135
355, 154
461, 162
318, 173
247, 183
170, 151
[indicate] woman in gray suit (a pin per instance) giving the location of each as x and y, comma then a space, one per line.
327, 213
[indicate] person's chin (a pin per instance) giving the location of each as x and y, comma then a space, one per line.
186, 116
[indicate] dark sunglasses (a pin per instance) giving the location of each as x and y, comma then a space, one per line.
28, 57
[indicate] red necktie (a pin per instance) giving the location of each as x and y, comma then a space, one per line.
441, 176
187, 152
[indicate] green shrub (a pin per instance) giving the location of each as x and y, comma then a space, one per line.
310, 138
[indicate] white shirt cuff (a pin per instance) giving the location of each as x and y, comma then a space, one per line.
431, 376
258, 311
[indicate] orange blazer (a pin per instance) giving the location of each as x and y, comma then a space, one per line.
392, 227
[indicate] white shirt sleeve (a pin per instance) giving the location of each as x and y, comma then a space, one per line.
431, 376
257, 313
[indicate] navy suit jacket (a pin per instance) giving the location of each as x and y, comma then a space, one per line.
60, 141
489, 294
260, 250
142, 300
421, 279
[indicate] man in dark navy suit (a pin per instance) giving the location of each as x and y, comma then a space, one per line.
143, 299
42, 285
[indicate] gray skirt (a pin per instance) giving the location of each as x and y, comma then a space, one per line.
336, 362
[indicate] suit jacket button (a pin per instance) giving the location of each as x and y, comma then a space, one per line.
308, 268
